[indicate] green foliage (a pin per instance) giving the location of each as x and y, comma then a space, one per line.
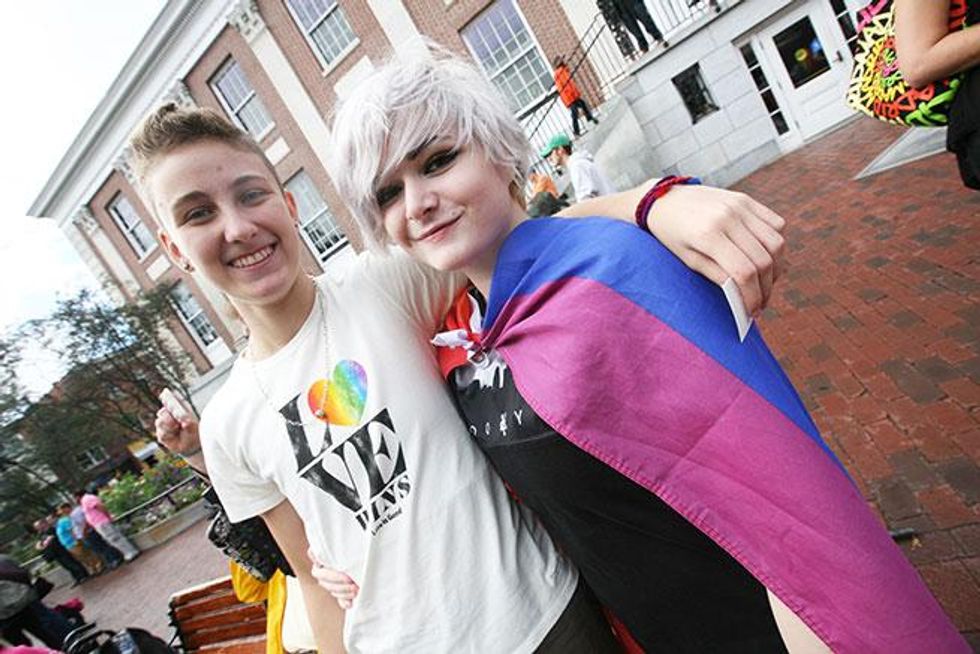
118, 359
130, 491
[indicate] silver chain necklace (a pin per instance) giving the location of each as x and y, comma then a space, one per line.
321, 412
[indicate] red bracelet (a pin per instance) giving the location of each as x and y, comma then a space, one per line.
655, 193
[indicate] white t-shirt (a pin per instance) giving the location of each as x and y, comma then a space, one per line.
587, 180
396, 494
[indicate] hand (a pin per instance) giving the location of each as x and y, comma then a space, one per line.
335, 582
180, 436
723, 234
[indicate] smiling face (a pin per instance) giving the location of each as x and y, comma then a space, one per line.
449, 208
225, 214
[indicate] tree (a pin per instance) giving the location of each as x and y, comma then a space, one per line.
117, 358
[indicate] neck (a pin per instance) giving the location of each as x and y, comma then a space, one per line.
480, 269
271, 326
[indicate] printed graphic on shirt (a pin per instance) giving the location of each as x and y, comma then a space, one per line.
493, 409
365, 472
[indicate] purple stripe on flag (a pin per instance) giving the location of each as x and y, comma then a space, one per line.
628, 389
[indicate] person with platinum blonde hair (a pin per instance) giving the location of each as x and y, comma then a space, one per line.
672, 461
335, 426
395, 121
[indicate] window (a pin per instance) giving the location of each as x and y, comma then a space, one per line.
192, 315
845, 23
762, 83
129, 222
239, 99
319, 226
801, 51
501, 42
695, 93
325, 26
91, 457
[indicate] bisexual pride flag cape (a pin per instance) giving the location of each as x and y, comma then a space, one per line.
635, 359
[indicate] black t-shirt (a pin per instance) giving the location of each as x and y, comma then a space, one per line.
672, 586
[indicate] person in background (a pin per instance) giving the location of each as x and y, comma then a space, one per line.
66, 536
21, 610
633, 13
570, 96
84, 532
928, 51
587, 180
100, 520
53, 551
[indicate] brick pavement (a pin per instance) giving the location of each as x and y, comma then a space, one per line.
136, 594
878, 324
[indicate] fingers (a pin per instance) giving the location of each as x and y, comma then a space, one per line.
761, 261
736, 264
167, 428
339, 585
772, 241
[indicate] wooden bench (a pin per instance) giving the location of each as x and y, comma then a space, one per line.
209, 619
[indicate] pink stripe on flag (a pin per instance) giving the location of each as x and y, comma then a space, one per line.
623, 386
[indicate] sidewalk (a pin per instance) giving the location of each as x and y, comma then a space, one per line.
878, 324
136, 594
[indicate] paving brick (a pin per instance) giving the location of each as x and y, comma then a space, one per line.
915, 385
956, 590
946, 507
968, 537
867, 409
931, 547
887, 437
897, 501
964, 392
936, 369
963, 476
911, 466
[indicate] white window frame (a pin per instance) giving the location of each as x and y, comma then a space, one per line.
130, 230
188, 320
91, 457
532, 46
233, 112
321, 212
325, 65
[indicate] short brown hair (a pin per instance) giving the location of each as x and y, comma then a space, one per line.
170, 127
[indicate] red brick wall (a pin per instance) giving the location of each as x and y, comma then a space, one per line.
231, 44
115, 185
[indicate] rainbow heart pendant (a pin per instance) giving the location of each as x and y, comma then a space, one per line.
339, 400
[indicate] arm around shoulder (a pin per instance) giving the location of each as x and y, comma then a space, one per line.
325, 616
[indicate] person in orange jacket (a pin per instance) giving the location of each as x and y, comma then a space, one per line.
569, 93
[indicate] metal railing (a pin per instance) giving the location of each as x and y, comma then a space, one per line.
160, 506
157, 507
602, 58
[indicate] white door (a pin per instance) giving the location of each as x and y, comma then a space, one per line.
805, 53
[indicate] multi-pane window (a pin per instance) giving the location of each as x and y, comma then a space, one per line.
91, 457
501, 42
326, 27
694, 92
765, 90
239, 99
318, 224
129, 222
846, 23
192, 315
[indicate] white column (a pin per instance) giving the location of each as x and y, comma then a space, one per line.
248, 21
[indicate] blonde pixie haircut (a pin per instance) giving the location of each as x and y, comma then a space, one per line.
400, 108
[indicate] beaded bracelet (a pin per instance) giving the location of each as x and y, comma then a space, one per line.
656, 192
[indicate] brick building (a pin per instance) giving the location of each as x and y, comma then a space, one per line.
276, 68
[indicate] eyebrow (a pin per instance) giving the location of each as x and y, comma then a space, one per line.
414, 153
201, 195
